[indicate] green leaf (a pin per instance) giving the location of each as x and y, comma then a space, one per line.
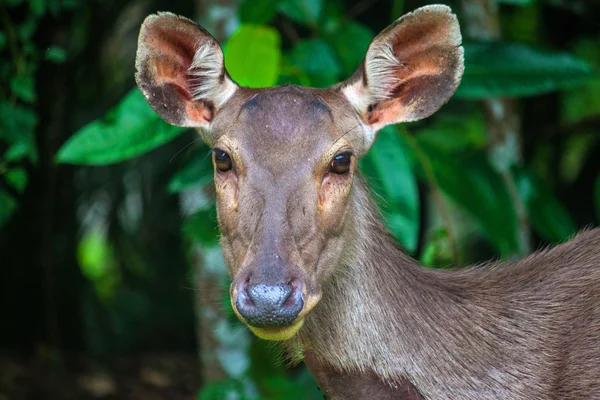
8, 205
23, 87
131, 129
388, 169
199, 171
597, 196
257, 11
252, 56
455, 132
584, 102
55, 54
318, 60
227, 389
17, 125
547, 215
202, 227
350, 42
37, 7
17, 178
471, 182
307, 12
494, 69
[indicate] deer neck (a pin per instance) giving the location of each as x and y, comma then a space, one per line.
383, 312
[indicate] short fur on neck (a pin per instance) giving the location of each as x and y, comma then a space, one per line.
495, 331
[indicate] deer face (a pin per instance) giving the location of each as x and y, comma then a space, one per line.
285, 157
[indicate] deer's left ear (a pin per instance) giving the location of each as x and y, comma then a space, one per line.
410, 70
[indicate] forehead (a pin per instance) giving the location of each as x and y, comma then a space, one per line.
282, 126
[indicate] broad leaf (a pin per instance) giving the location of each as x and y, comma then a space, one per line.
252, 56
131, 129
547, 215
471, 182
455, 132
494, 69
388, 169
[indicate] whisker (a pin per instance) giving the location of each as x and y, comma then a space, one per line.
185, 147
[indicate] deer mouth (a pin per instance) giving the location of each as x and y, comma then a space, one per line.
278, 334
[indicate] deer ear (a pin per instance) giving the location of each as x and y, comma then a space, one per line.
180, 71
410, 70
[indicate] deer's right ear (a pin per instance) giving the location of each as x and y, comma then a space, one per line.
180, 71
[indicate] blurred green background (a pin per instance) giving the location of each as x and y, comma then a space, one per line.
111, 280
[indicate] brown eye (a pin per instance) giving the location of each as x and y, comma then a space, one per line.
222, 160
341, 163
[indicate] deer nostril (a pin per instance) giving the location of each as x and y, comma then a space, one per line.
275, 305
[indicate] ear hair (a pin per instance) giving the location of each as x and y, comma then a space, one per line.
410, 70
208, 79
181, 71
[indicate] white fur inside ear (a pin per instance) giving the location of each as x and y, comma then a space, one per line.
360, 98
205, 72
381, 67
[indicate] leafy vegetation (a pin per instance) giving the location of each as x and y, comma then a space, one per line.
441, 192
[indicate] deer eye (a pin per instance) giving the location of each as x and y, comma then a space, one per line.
222, 160
341, 163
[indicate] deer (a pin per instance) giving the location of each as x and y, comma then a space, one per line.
311, 262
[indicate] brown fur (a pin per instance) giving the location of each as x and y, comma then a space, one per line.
376, 325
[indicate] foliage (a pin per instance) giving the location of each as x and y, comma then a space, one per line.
130, 129
494, 69
434, 179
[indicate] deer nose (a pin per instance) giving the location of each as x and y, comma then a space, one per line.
270, 306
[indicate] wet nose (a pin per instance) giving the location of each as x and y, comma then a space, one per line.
265, 306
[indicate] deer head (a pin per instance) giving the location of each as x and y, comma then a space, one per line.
286, 157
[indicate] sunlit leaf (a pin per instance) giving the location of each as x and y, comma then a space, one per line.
305, 12
130, 130
252, 56
494, 69
388, 169
548, 216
